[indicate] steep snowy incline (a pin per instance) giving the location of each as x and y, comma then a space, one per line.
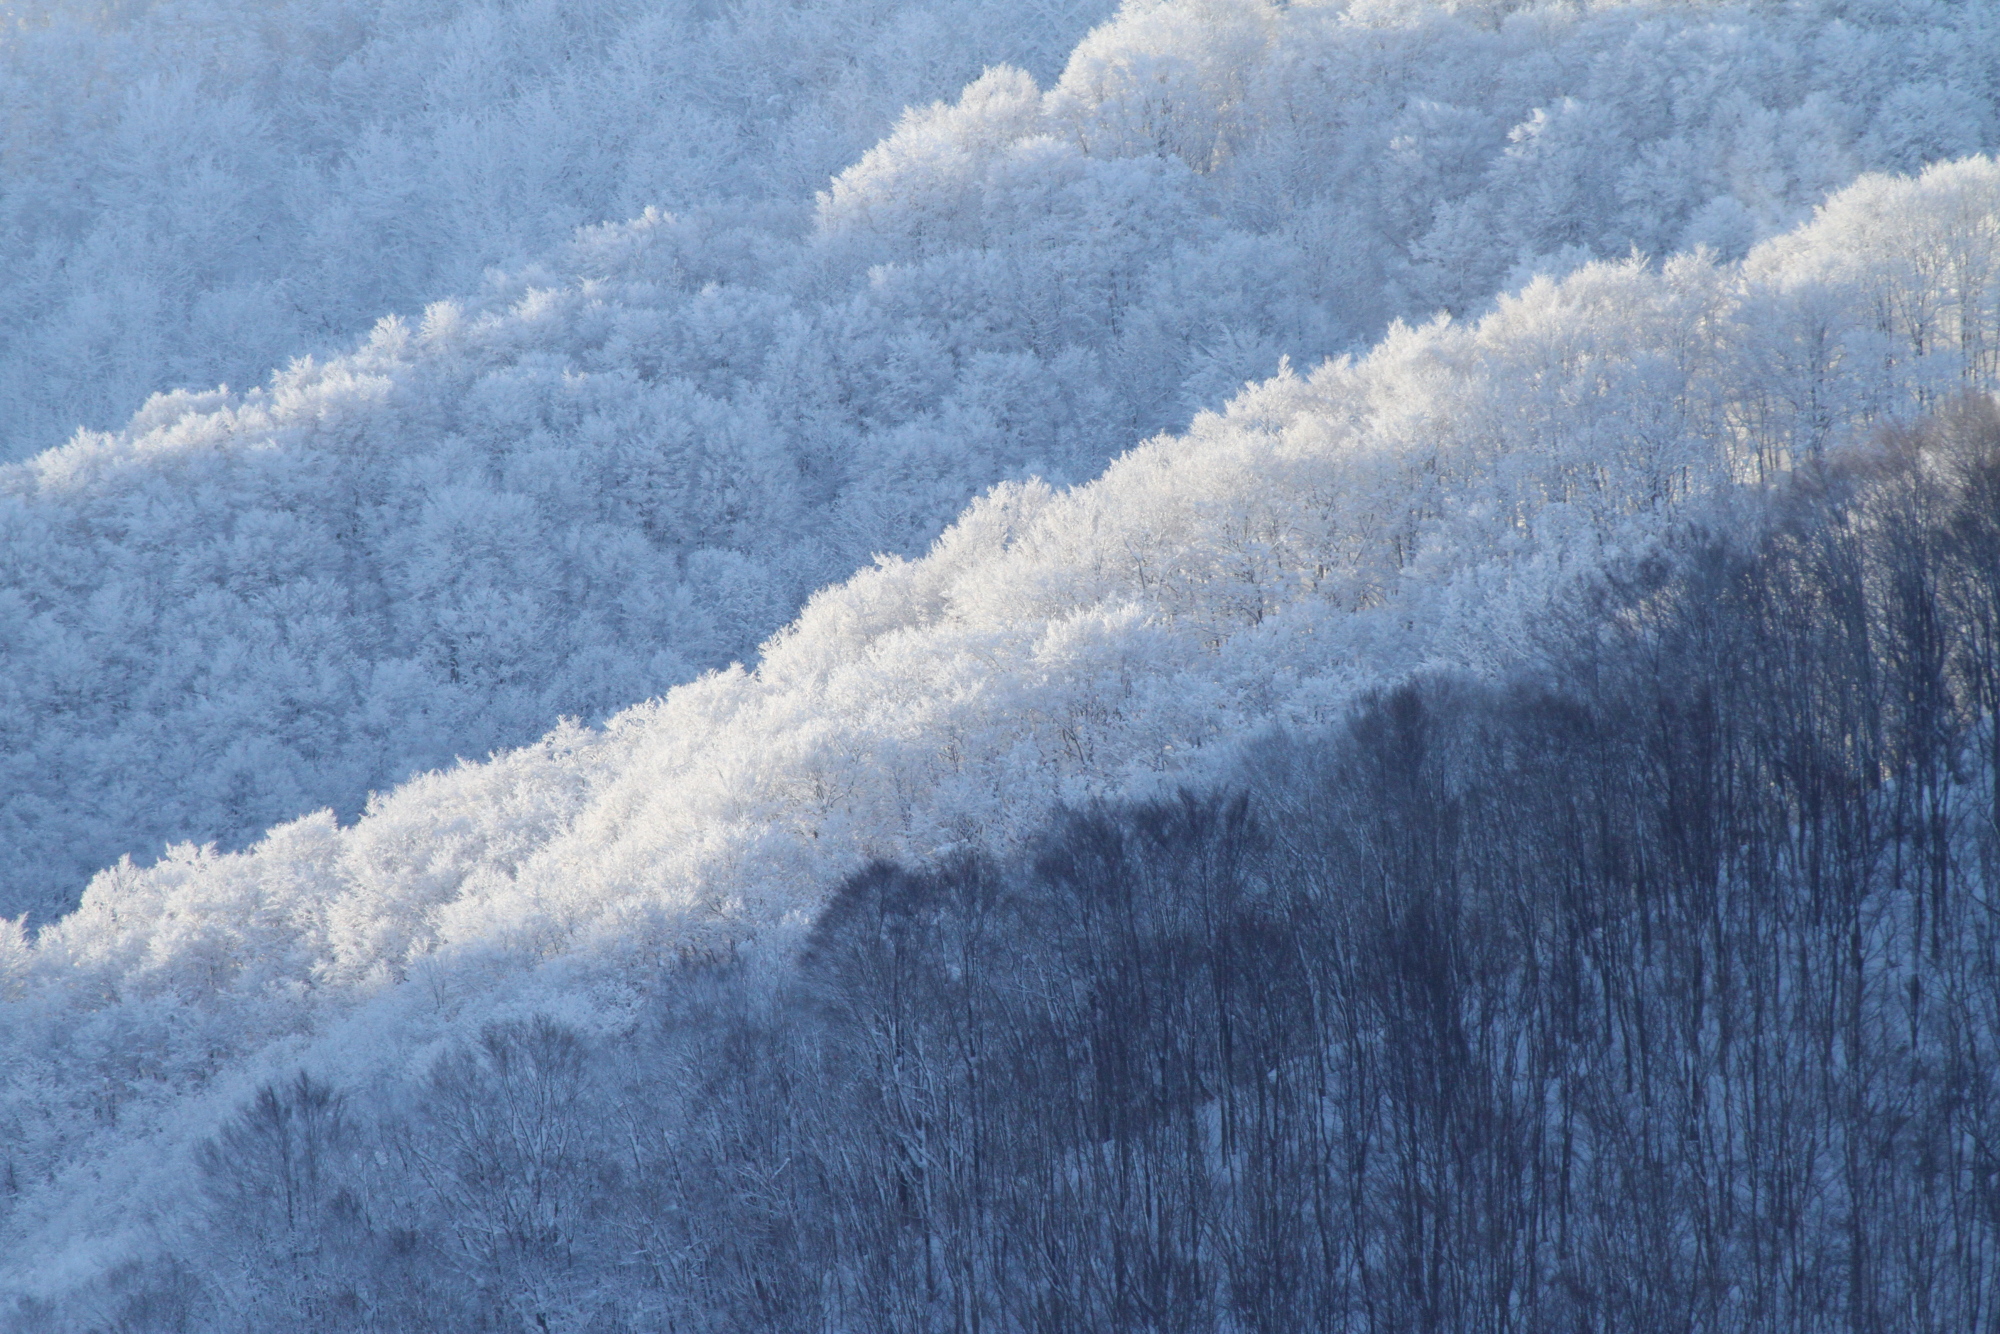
603, 476
1426, 504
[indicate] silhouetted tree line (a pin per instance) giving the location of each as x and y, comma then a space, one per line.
1656, 991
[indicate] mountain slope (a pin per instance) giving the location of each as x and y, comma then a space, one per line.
606, 474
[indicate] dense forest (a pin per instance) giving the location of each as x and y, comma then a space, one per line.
1266, 666
1655, 988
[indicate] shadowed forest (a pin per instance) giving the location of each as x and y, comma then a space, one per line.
1656, 989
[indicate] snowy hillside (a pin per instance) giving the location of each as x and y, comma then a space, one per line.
828, 526
610, 470
1428, 504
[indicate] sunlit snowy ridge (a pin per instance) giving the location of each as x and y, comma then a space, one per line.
1331, 531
